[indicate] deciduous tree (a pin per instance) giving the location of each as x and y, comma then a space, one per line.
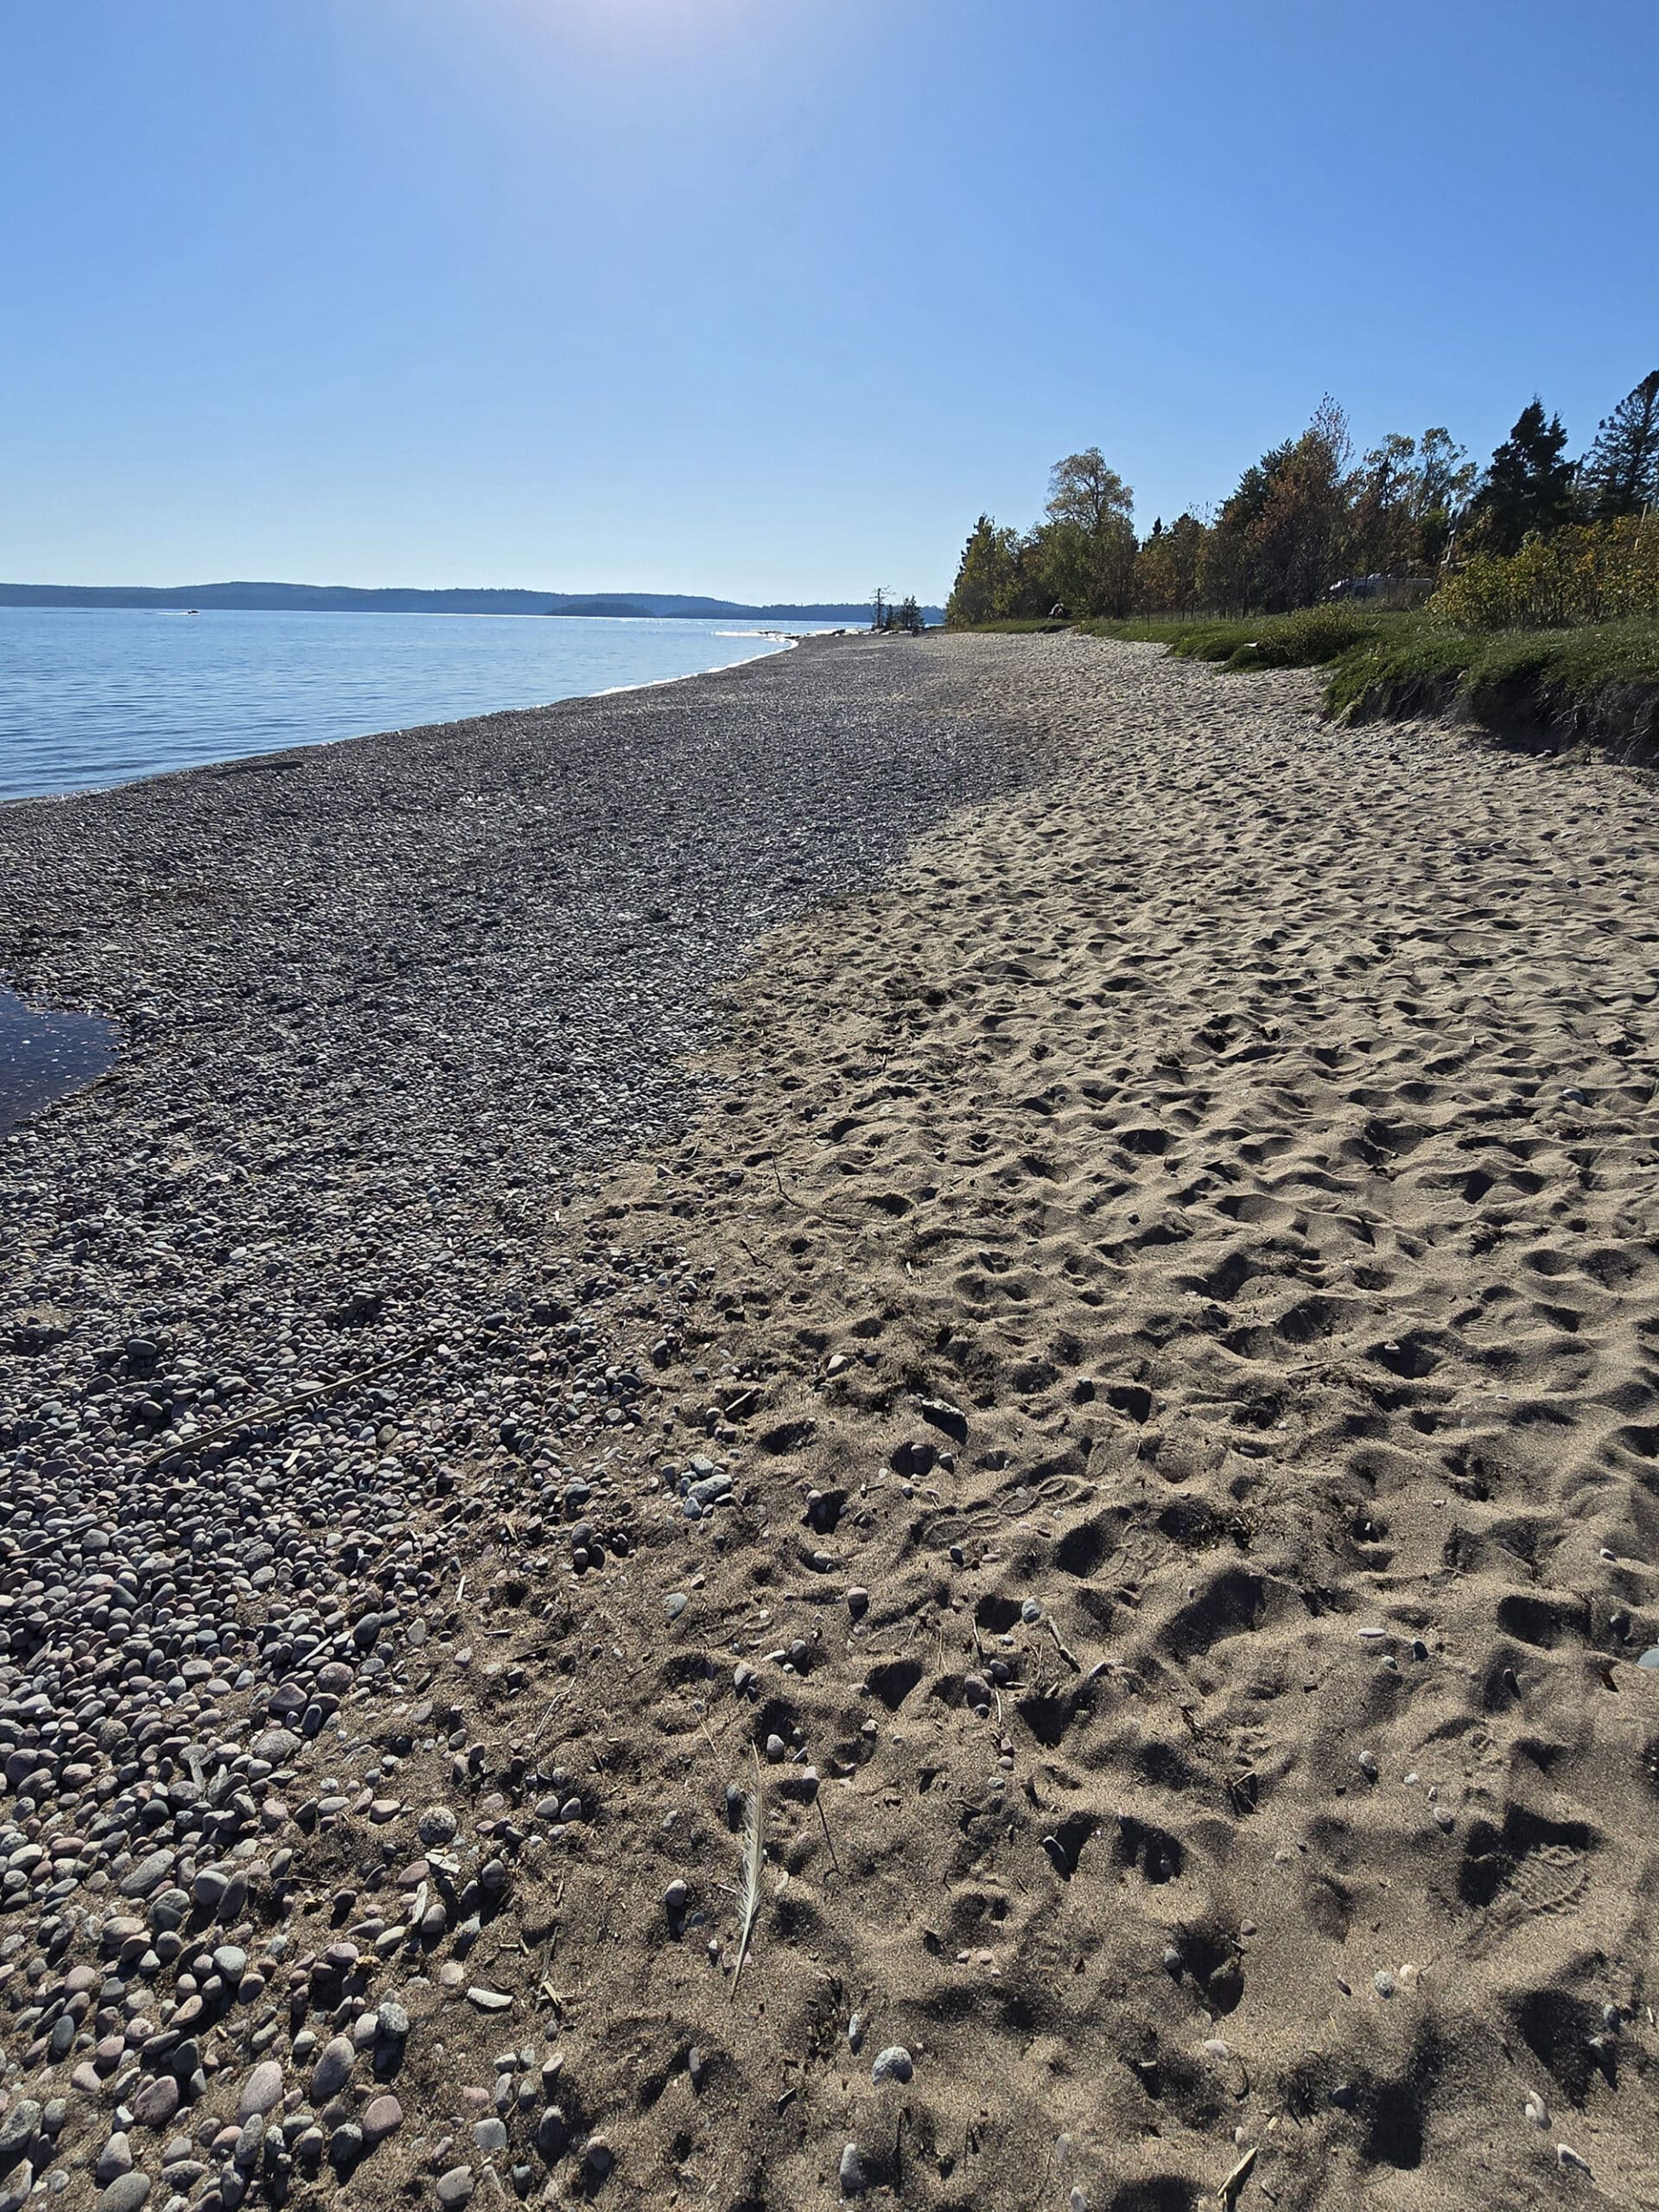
1089, 536
987, 576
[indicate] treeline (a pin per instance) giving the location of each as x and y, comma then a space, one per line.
1409, 514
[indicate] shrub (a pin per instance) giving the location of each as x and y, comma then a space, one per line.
1590, 572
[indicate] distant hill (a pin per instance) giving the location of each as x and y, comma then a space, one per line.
347, 599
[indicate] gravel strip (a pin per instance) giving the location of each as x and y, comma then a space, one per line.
280, 1296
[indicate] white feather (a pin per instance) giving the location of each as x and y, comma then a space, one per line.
749, 1896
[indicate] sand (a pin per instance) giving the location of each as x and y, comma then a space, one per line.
1247, 1137
1155, 1314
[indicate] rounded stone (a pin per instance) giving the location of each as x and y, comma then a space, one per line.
262, 2091
126, 2194
333, 2069
114, 2160
598, 2156
892, 2064
455, 2188
156, 2102
382, 2116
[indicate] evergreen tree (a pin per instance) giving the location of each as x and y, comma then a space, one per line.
1528, 485
1621, 471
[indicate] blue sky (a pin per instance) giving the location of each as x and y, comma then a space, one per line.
770, 297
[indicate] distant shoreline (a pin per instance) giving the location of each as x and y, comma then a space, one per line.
351, 599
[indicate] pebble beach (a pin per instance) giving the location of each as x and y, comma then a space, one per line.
877, 1429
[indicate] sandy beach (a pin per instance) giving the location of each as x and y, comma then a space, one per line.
1011, 1266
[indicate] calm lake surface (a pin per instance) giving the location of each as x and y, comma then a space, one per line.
92, 695
45, 1055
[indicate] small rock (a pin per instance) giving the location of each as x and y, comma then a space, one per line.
18, 2127
113, 2160
858, 1602
149, 1874
382, 2116
1566, 2156
455, 2188
437, 1825
262, 2091
892, 2064
676, 1898
853, 2175
488, 2000
125, 2195
156, 2104
332, 2070
490, 2134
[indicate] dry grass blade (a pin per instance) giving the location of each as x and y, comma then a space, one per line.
1236, 2179
754, 1857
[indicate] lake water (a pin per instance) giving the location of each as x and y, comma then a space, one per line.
45, 1055
92, 696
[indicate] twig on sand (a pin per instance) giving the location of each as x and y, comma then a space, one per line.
1069, 1656
199, 1441
1228, 2190
828, 1838
839, 1220
551, 1708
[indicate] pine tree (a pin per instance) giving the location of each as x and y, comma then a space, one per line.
1528, 484
1621, 471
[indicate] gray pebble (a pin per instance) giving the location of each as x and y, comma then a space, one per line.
332, 2070
125, 2195
261, 2093
436, 1826
892, 2064
853, 2174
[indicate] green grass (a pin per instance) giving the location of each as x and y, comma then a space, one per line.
1013, 626
1600, 683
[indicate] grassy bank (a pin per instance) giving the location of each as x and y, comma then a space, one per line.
1600, 682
